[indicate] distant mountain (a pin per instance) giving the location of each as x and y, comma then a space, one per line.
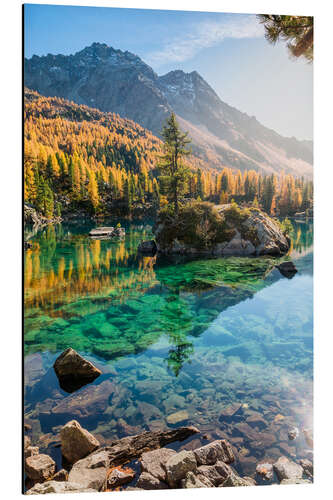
111, 80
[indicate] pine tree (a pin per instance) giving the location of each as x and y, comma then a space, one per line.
171, 167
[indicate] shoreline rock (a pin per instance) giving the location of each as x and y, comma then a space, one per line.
76, 442
104, 468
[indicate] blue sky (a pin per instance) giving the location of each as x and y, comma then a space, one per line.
228, 50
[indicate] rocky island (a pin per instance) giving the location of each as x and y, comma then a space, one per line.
201, 228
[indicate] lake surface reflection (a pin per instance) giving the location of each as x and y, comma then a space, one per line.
223, 344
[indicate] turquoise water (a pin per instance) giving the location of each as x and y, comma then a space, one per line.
170, 336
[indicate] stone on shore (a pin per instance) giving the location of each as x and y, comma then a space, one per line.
76, 442
148, 482
152, 462
193, 481
57, 487
286, 469
295, 481
40, 467
235, 480
307, 466
92, 471
73, 371
212, 452
215, 474
178, 465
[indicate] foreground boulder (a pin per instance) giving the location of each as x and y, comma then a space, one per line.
76, 442
40, 467
212, 452
178, 466
200, 228
152, 462
92, 471
73, 371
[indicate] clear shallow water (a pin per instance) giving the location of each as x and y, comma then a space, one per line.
169, 336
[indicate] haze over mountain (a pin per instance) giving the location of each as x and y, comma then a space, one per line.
112, 80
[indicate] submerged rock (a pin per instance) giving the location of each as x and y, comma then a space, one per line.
177, 417
40, 467
76, 442
73, 371
293, 434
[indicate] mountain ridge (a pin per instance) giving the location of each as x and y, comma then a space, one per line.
118, 81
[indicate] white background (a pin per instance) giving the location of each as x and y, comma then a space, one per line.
11, 260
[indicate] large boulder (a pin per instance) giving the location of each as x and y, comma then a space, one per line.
201, 228
153, 462
92, 471
215, 474
178, 465
76, 442
212, 452
39, 467
235, 480
147, 481
73, 371
193, 481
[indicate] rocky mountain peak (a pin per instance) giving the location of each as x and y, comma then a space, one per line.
110, 79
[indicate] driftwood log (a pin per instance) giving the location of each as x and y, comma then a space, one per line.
128, 448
